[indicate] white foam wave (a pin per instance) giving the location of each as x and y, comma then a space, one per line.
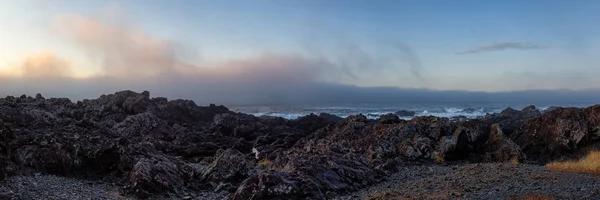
375, 115
456, 112
446, 112
282, 115
453, 110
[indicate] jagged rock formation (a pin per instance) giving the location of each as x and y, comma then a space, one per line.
153, 146
405, 113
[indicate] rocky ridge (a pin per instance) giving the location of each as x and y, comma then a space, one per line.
153, 147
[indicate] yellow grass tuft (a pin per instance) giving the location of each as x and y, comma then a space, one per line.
264, 162
587, 165
514, 161
438, 159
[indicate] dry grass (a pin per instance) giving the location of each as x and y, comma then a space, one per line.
265, 162
590, 164
438, 159
514, 161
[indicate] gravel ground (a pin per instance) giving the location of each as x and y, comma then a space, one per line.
463, 181
55, 187
50, 187
481, 181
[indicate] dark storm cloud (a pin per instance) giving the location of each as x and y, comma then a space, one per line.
267, 93
502, 46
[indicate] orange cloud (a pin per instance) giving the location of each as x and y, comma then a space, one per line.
124, 51
43, 65
128, 52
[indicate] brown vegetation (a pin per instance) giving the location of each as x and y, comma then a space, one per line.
587, 165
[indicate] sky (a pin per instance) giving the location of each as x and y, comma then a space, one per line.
251, 47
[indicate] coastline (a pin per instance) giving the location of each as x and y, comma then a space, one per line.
155, 148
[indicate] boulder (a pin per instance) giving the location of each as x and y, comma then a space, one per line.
388, 119
500, 148
217, 109
39, 96
312, 122
510, 119
405, 113
229, 166
136, 103
529, 108
330, 117
468, 138
277, 185
156, 173
557, 133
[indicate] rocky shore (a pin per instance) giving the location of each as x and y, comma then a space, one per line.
130, 146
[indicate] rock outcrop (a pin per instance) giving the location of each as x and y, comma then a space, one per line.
405, 113
559, 132
510, 119
153, 146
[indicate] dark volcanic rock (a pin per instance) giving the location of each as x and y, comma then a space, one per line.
229, 166
469, 137
500, 148
313, 122
6, 137
154, 173
529, 108
277, 185
405, 113
152, 146
460, 118
156, 147
474, 140
551, 108
558, 132
389, 119
330, 117
510, 119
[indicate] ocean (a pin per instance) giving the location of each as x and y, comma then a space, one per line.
373, 111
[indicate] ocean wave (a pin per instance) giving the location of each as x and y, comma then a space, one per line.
282, 115
453, 110
373, 112
375, 115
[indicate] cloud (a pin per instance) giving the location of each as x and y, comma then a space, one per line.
128, 52
133, 59
42, 65
124, 50
268, 67
411, 56
502, 46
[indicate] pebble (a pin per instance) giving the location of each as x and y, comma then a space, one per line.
482, 181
